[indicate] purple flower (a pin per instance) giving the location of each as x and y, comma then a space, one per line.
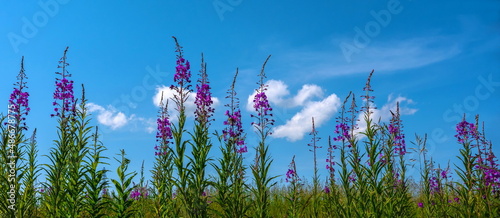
262, 107
233, 132
466, 131
291, 174
420, 204
18, 101
135, 194
434, 185
342, 131
326, 190
367, 97
330, 162
444, 174
395, 129
164, 131
182, 70
203, 100
64, 91
182, 77
261, 104
139, 192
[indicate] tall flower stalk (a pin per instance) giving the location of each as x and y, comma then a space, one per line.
55, 198
17, 175
230, 182
95, 202
202, 144
314, 147
182, 78
163, 167
294, 197
260, 170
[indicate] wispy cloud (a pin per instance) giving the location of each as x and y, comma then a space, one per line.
386, 56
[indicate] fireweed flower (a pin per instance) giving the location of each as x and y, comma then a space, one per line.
182, 77
291, 173
138, 193
233, 132
466, 131
262, 107
420, 204
164, 131
203, 100
326, 190
64, 91
396, 130
18, 101
344, 130
369, 99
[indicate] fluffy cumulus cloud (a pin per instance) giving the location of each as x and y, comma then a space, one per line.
115, 119
278, 95
109, 116
295, 128
169, 94
309, 98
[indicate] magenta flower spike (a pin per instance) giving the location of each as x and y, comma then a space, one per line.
396, 130
163, 131
466, 131
234, 128
182, 77
64, 98
203, 100
18, 101
369, 99
262, 107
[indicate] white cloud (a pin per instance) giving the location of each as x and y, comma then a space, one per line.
384, 113
277, 93
386, 56
109, 116
295, 128
115, 119
169, 94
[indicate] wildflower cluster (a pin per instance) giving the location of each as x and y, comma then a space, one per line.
395, 129
369, 99
139, 192
203, 100
64, 91
291, 173
18, 101
182, 70
164, 131
466, 131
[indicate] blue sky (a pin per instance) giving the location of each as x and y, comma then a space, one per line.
439, 59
